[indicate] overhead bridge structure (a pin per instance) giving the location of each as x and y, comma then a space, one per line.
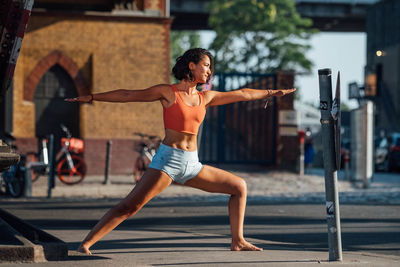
327, 15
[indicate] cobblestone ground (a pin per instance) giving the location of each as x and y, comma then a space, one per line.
286, 186
263, 185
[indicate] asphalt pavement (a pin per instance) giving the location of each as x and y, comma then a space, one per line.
186, 227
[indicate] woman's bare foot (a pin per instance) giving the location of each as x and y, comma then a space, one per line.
84, 250
244, 246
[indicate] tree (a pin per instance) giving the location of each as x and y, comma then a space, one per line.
259, 36
182, 41
344, 107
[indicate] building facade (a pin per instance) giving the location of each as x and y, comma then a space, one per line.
75, 48
382, 79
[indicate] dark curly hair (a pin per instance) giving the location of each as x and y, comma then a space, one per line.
181, 69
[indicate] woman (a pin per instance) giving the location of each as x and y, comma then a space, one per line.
184, 109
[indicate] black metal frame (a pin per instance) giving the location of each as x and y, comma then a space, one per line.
244, 132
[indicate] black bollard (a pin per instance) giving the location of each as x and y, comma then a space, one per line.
330, 164
108, 158
51, 182
28, 180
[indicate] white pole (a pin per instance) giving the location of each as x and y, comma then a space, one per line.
369, 143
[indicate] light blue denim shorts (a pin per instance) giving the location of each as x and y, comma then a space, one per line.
180, 165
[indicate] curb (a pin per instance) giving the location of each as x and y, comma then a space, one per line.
20, 241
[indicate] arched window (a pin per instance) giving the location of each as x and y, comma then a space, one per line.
50, 108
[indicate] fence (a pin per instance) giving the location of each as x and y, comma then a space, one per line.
241, 132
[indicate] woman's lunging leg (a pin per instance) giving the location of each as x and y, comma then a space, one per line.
151, 184
214, 180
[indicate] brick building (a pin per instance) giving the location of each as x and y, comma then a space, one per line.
76, 47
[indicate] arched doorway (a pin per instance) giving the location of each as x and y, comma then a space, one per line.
50, 108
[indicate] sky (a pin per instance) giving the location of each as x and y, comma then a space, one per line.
344, 52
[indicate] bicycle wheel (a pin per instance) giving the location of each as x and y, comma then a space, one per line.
31, 157
15, 187
138, 169
11, 181
74, 175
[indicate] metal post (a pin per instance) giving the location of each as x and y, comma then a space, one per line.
368, 111
221, 124
51, 182
302, 136
301, 160
199, 135
357, 149
28, 181
108, 157
346, 166
331, 187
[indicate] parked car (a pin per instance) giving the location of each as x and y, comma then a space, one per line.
387, 153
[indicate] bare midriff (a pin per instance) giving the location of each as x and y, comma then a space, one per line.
184, 141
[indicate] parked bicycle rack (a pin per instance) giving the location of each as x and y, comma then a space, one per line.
39, 165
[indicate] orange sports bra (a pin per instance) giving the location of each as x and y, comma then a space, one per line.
183, 118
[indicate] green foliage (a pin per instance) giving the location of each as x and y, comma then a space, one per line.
344, 107
182, 41
297, 94
259, 35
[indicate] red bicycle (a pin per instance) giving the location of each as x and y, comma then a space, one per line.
71, 168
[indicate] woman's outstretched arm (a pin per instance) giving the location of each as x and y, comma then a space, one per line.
150, 94
215, 98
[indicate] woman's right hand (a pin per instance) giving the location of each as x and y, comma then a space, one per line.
282, 92
85, 99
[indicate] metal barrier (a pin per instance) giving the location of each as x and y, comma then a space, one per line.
40, 165
28, 178
242, 132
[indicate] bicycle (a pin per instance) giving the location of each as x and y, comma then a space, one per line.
12, 180
147, 148
71, 168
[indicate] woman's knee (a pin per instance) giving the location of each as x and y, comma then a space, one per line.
240, 187
128, 209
